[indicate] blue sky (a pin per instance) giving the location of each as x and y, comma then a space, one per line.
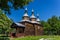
45, 8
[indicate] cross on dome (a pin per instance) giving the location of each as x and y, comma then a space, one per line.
25, 8
32, 10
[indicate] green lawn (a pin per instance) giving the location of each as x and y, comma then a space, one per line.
37, 38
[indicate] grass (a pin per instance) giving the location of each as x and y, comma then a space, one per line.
38, 37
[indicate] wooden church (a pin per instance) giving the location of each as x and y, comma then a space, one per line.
29, 26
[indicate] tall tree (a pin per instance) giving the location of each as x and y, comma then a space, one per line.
5, 23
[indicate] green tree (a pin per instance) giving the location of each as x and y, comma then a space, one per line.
52, 26
54, 23
5, 23
46, 28
15, 4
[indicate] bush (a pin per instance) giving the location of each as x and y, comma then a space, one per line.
4, 38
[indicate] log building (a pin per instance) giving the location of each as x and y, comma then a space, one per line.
29, 26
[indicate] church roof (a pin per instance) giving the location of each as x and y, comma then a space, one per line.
19, 24
33, 22
15, 25
25, 20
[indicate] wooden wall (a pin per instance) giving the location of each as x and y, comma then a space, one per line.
29, 29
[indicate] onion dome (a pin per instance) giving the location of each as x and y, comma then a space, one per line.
32, 16
38, 20
26, 13
25, 16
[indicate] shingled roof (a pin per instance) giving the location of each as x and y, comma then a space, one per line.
17, 25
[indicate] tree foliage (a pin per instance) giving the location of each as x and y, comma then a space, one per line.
5, 23
52, 26
6, 5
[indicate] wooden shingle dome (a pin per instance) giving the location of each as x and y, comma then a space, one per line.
33, 16
25, 16
38, 20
